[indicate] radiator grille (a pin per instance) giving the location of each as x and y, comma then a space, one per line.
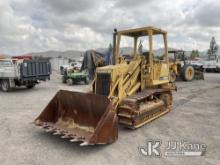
103, 83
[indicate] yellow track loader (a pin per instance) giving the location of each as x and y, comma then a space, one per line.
132, 92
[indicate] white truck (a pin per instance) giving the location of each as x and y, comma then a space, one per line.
206, 64
20, 72
211, 65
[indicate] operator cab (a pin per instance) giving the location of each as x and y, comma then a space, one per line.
149, 42
130, 43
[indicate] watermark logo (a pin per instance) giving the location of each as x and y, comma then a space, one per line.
172, 148
184, 148
152, 148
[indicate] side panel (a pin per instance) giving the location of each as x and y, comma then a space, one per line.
161, 73
103, 83
211, 64
39, 70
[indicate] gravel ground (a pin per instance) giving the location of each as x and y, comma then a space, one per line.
195, 118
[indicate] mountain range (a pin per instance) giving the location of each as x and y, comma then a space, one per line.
71, 54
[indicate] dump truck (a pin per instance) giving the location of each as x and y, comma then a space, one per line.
21, 72
132, 92
182, 68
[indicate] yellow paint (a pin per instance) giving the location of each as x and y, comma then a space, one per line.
129, 77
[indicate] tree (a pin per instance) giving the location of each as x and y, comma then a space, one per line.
109, 54
212, 49
140, 47
110, 48
194, 54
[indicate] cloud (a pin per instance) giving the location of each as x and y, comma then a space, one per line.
131, 3
40, 25
68, 6
206, 14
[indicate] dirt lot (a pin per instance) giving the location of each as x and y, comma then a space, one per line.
195, 118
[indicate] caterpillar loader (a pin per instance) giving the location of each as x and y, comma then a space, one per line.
132, 92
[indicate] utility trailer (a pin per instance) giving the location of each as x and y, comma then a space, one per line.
23, 72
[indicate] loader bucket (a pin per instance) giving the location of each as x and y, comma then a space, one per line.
83, 117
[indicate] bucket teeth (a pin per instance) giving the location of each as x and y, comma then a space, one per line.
65, 136
74, 140
57, 133
38, 123
50, 130
44, 125
84, 143
77, 139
